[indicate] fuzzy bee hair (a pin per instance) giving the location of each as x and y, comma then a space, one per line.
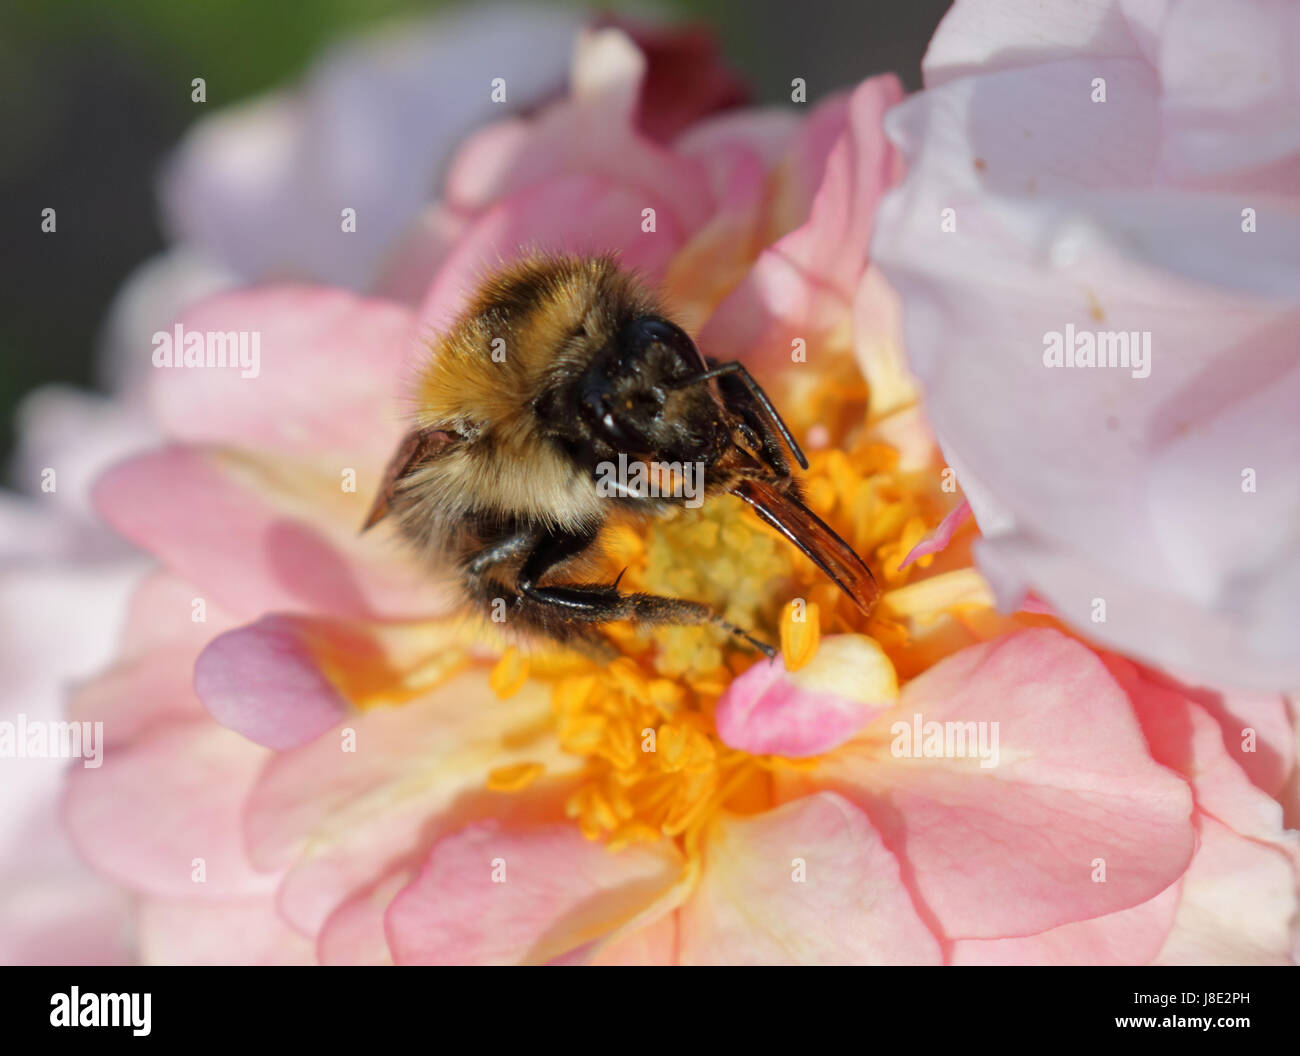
559, 364
529, 329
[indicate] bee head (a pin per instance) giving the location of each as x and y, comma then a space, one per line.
635, 396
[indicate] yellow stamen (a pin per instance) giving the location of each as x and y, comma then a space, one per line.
653, 765
964, 587
644, 723
514, 778
800, 633
509, 674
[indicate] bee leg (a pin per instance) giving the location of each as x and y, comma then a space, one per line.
594, 603
510, 546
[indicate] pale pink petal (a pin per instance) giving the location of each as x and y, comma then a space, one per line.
592, 133
717, 256
792, 153
1185, 738
804, 284
326, 380
64, 917
579, 213
412, 262
152, 298
251, 556
351, 806
810, 882
1131, 936
1126, 486
54, 909
1238, 901
133, 694
1231, 79
654, 944
77, 435
895, 396
163, 815
163, 613
354, 932
938, 539
982, 36
487, 895
261, 186
1141, 619
264, 681
771, 711
221, 931
1259, 731
764, 132
168, 624
805, 166
1020, 846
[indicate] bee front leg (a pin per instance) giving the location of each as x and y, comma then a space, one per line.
595, 603
510, 546
743, 396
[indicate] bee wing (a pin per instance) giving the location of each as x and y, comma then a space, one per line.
416, 447
818, 541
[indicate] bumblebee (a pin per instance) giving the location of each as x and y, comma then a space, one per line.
562, 367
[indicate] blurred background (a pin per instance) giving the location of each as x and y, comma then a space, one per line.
94, 96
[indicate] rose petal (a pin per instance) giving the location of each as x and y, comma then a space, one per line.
1185, 738
327, 381
354, 932
1013, 848
582, 214
1238, 900
942, 535
771, 711
810, 882
1144, 506
804, 284
187, 508
978, 38
265, 682
340, 820
165, 828
261, 186
491, 896
1131, 936
224, 931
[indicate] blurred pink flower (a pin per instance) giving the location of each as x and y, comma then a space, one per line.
64, 584
1116, 167
260, 187
386, 785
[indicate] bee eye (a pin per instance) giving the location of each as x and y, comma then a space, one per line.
637, 336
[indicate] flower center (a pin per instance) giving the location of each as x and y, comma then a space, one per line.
655, 766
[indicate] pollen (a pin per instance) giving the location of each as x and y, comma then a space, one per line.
654, 767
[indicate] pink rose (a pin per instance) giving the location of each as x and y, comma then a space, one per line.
1116, 171
332, 766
